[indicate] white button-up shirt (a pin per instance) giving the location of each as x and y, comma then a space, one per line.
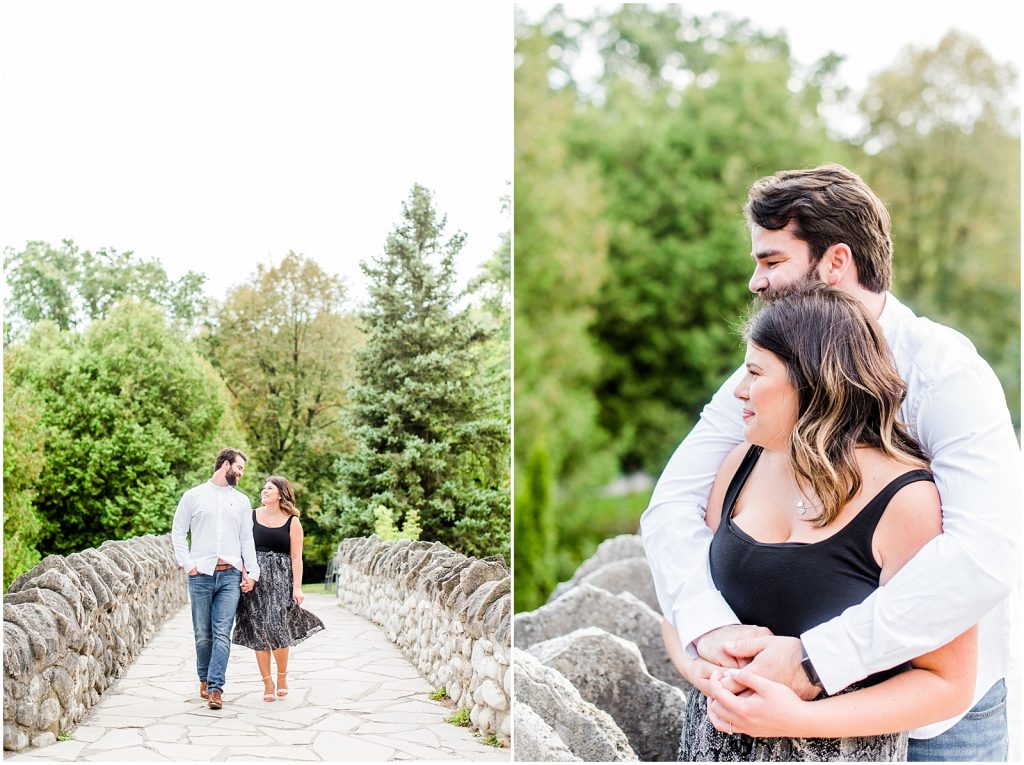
956, 408
220, 518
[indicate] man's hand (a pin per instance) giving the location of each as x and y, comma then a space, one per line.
711, 645
247, 584
697, 673
194, 571
776, 658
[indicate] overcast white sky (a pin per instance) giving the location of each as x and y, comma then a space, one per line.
214, 135
870, 33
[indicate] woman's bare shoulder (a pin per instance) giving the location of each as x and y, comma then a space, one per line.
912, 518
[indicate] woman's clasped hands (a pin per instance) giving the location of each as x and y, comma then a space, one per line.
763, 708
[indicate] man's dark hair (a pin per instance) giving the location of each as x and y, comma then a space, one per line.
228, 455
828, 205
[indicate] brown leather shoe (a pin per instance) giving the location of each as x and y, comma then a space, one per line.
215, 701
202, 690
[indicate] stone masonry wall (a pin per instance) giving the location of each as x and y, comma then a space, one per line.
73, 624
593, 678
449, 614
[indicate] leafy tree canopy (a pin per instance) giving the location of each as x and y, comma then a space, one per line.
284, 344
132, 417
70, 287
24, 440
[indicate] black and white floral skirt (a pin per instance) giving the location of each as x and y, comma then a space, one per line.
267, 617
702, 742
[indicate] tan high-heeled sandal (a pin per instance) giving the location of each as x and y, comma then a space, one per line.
282, 692
268, 696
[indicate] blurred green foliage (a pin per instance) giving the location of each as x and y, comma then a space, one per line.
632, 256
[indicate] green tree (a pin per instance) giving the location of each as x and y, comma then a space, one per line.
132, 417
71, 287
24, 439
284, 344
536, 533
429, 429
561, 244
942, 149
561, 453
679, 133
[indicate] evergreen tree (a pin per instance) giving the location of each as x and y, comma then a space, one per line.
536, 534
430, 432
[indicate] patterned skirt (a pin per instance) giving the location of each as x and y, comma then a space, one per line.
267, 617
702, 742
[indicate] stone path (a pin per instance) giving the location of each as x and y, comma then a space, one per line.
353, 696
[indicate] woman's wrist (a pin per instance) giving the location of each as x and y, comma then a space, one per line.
810, 719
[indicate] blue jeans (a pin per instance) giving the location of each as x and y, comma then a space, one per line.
981, 736
214, 599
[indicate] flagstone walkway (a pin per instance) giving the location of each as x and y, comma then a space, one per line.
353, 696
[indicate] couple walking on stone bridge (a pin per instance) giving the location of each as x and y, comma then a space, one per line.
244, 568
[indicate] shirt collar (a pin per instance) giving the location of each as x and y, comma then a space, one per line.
890, 315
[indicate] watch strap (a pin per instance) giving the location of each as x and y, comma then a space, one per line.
805, 662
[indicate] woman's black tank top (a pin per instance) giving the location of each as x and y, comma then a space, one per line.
790, 587
272, 538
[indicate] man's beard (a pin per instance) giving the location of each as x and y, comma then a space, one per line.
232, 479
769, 294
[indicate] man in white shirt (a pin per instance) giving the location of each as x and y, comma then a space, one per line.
826, 224
220, 519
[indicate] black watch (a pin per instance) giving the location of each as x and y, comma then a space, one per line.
805, 662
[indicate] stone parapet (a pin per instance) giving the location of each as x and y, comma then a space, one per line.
450, 614
73, 624
592, 656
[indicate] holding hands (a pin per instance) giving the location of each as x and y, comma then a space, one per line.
763, 708
247, 584
752, 678
771, 656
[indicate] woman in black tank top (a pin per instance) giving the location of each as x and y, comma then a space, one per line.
824, 503
269, 619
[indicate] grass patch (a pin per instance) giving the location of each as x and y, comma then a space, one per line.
65, 736
460, 718
492, 740
441, 694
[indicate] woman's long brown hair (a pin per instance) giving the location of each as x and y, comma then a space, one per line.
287, 495
848, 387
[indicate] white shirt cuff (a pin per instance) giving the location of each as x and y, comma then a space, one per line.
698, 616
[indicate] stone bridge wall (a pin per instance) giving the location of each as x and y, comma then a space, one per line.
449, 614
593, 679
73, 624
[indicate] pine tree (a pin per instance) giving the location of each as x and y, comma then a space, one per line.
430, 432
536, 533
